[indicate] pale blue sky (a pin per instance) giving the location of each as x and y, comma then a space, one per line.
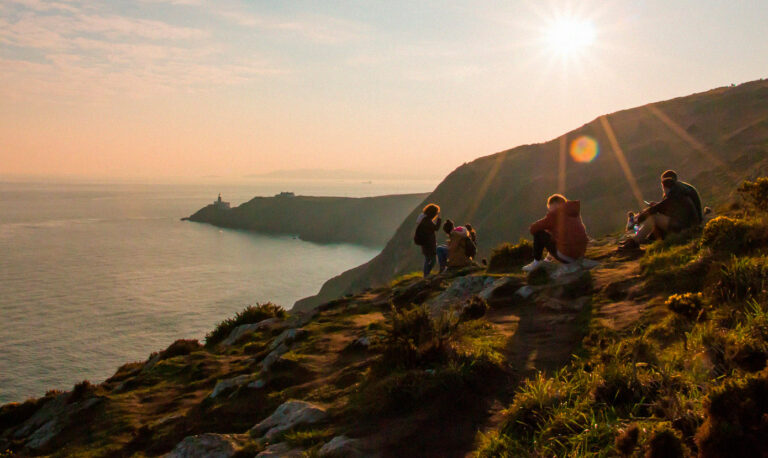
191, 87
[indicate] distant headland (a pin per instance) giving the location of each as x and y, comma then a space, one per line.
368, 221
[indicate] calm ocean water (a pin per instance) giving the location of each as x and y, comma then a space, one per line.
96, 275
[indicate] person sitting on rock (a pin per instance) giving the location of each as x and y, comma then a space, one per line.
675, 212
688, 190
442, 250
426, 225
561, 232
461, 248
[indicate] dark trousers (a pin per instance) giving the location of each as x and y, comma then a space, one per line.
542, 240
429, 263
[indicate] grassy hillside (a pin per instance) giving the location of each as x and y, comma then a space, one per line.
365, 221
713, 139
660, 353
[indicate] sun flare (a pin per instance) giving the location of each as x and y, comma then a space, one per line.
568, 36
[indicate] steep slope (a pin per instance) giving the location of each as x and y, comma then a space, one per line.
365, 221
649, 351
713, 139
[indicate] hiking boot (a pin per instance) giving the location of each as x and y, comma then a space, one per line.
629, 245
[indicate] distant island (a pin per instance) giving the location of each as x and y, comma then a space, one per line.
368, 221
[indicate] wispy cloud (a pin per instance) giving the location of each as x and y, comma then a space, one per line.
73, 50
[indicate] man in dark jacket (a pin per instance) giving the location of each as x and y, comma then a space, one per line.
674, 213
687, 189
427, 224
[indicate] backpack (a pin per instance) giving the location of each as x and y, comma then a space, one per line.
470, 249
418, 236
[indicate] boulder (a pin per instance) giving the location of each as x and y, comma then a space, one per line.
287, 337
208, 446
341, 447
289, 415
42, 428
244, 329
229, 384
281, 449
272, 357
458, 292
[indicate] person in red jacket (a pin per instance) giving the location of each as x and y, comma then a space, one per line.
561, 232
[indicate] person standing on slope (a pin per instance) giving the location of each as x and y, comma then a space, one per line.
427, 224
561, 232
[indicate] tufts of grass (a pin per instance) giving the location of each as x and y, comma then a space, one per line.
81, 391
510, 257
755, 193
736, 419
251, 314
743, 278
405, 278
181, 347
475, 308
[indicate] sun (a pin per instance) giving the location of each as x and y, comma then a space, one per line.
568, 36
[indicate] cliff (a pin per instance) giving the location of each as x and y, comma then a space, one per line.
713, 139
653, 352
365, 221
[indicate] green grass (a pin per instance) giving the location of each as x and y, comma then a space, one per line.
250, 314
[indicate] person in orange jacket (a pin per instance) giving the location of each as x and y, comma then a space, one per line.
561, 232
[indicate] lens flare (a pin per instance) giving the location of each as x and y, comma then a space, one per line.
584, 149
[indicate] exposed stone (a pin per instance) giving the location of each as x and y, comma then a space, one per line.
289, 415
258, 384
272, 357
51, 419
244, 329
341, 447
229, 384
282, 450
208, 446
526, 291
287, 337
458, 292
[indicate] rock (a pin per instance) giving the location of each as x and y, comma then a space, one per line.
362, 342
281, 450
244, 329
258, 384
229, 384
208, 446
287, 337
51, 419
289, 415
272, 357
341, 447
458, 292
526, 291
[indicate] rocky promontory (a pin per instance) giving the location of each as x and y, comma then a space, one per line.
369, 221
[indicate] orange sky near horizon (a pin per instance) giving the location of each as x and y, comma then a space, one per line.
191, 88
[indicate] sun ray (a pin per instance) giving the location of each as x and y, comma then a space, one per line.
619, 153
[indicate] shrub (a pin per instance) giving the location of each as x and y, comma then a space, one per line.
727, 235
756, 193
690, 305
665, 443
743, 278
15, 413
475, 308
414, 338
251, 314
81, 391
181, 347
736, 419
626, 440
508, 257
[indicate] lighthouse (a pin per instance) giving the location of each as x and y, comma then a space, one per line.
220, 204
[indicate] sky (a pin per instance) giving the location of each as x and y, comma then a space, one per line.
226, 88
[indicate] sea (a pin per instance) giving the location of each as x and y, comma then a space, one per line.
94, 275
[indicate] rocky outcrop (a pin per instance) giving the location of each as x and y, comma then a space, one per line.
57, 414
244, 329
281, 450
208, 446
342, 447
229, 384
289, 415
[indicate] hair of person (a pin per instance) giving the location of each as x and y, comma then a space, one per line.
669, 174
471, 231
556, 198
668, 182
431, 210
448, 226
